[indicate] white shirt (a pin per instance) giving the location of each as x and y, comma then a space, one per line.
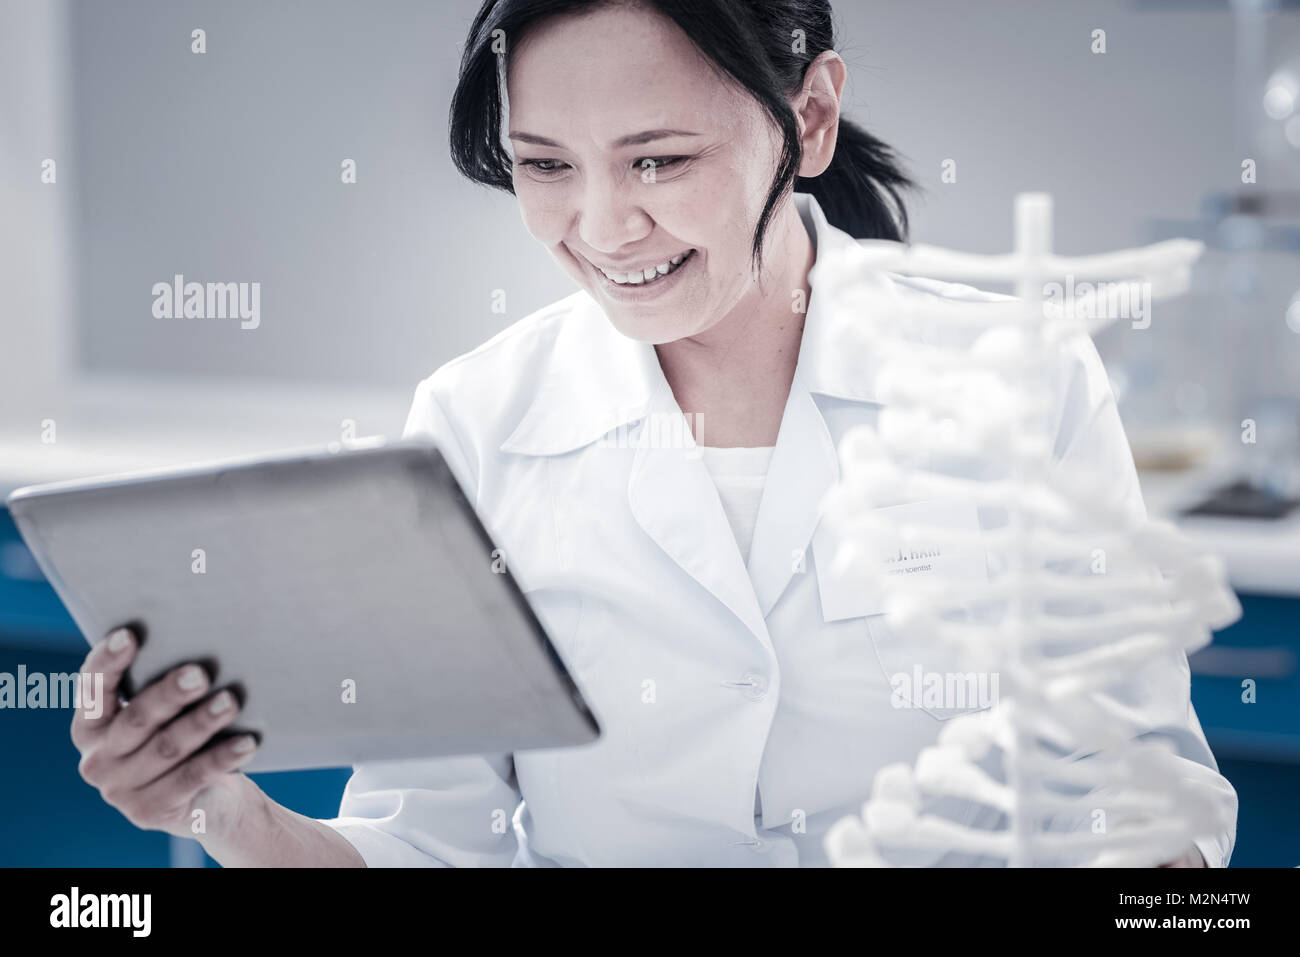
711, 677
739, 474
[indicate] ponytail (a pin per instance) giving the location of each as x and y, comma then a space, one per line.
860, 192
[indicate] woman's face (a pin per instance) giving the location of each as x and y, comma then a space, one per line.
633, 158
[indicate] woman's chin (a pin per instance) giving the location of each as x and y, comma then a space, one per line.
643, 326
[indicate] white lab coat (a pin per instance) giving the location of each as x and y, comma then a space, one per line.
709, 678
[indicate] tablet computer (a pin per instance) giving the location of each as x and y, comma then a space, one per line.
349, 596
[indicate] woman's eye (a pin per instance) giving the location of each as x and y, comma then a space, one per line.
550, 167
543, 165
658, 162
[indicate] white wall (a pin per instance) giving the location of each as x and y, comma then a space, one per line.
37, 278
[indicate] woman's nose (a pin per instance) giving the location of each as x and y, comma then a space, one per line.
611, 218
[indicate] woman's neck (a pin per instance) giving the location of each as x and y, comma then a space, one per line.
734, 378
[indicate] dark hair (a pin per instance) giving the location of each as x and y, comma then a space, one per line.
764, 45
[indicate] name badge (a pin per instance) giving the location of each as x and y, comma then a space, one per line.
944, 549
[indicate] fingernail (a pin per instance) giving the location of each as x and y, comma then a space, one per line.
220, 703
244, 745
191, 678
119, 640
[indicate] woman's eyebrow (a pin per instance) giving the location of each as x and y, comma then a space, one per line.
632, 139
649, 136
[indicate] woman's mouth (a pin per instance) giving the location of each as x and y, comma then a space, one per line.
648, 274
640, 282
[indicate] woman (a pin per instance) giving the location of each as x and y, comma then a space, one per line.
686, 164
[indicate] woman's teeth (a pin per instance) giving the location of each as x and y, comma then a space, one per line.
649, 274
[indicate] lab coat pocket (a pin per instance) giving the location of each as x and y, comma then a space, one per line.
945, 556
929, 676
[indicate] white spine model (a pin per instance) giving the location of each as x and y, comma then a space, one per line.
1079, 595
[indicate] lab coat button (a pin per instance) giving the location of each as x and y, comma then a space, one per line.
754, 685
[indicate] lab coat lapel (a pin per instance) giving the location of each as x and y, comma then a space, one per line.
603, 386
803, 467
673, 498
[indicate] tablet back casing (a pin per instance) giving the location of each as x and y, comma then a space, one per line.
350, 598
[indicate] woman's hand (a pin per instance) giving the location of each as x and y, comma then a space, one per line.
154, 760
155, 764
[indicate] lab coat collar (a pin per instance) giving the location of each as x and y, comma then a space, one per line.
599, 380
835, 358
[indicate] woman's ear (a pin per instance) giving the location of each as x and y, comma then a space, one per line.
817, 111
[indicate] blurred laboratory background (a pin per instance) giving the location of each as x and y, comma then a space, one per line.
127, 159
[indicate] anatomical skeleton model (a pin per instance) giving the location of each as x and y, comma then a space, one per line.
1083, 593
